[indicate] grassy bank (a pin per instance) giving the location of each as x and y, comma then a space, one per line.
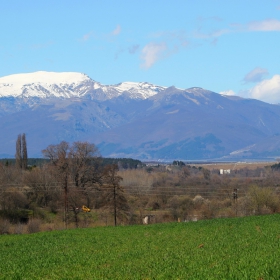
237, 248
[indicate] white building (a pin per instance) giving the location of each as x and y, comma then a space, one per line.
224, 171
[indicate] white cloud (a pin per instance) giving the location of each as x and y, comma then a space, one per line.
265, 25
117, 30
151, 53
166, 43
227, 92
256, 75
267, 90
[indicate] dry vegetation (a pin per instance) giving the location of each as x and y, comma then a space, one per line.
235, 165
51, 196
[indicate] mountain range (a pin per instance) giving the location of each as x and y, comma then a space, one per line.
138, 120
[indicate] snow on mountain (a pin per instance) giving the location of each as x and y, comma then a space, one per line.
45, 78
144, 89
70, 84
135, 90
42, 84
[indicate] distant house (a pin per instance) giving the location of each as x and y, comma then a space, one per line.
224, 171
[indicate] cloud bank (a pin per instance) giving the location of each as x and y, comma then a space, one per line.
255, 76
264, 25
152, 52
267, 90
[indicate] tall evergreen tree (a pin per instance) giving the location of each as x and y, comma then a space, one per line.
21, 152
18, 152
24, 151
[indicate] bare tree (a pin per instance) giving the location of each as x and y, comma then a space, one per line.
86, 169
59, 158
114, 195
40, 187
76, 164
85, 164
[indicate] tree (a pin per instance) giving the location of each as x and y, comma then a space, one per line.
77, 164
178, 163
206, 174
85, 164
21, 152
18, 152
114, 195
59, 158
86, 169
39, 187
24, 152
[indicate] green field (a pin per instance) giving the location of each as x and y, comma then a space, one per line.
237, 248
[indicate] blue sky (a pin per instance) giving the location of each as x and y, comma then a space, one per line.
225, 46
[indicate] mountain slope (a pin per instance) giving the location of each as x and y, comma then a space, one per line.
192, 125
136, 120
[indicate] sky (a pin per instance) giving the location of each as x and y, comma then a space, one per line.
229, 46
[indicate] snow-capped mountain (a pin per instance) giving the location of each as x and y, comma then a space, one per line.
137, 120
44, 84
70, 84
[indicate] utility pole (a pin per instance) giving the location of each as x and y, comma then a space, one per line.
66, 202
235, 196
115, 207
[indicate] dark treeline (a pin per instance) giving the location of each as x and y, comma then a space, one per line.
123, 163
31, 162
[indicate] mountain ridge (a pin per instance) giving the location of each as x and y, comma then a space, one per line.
139, 120
43, 84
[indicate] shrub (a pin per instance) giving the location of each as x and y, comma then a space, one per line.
19, 229
4, 226
33, 226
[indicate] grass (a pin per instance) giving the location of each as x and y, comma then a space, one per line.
237, 248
